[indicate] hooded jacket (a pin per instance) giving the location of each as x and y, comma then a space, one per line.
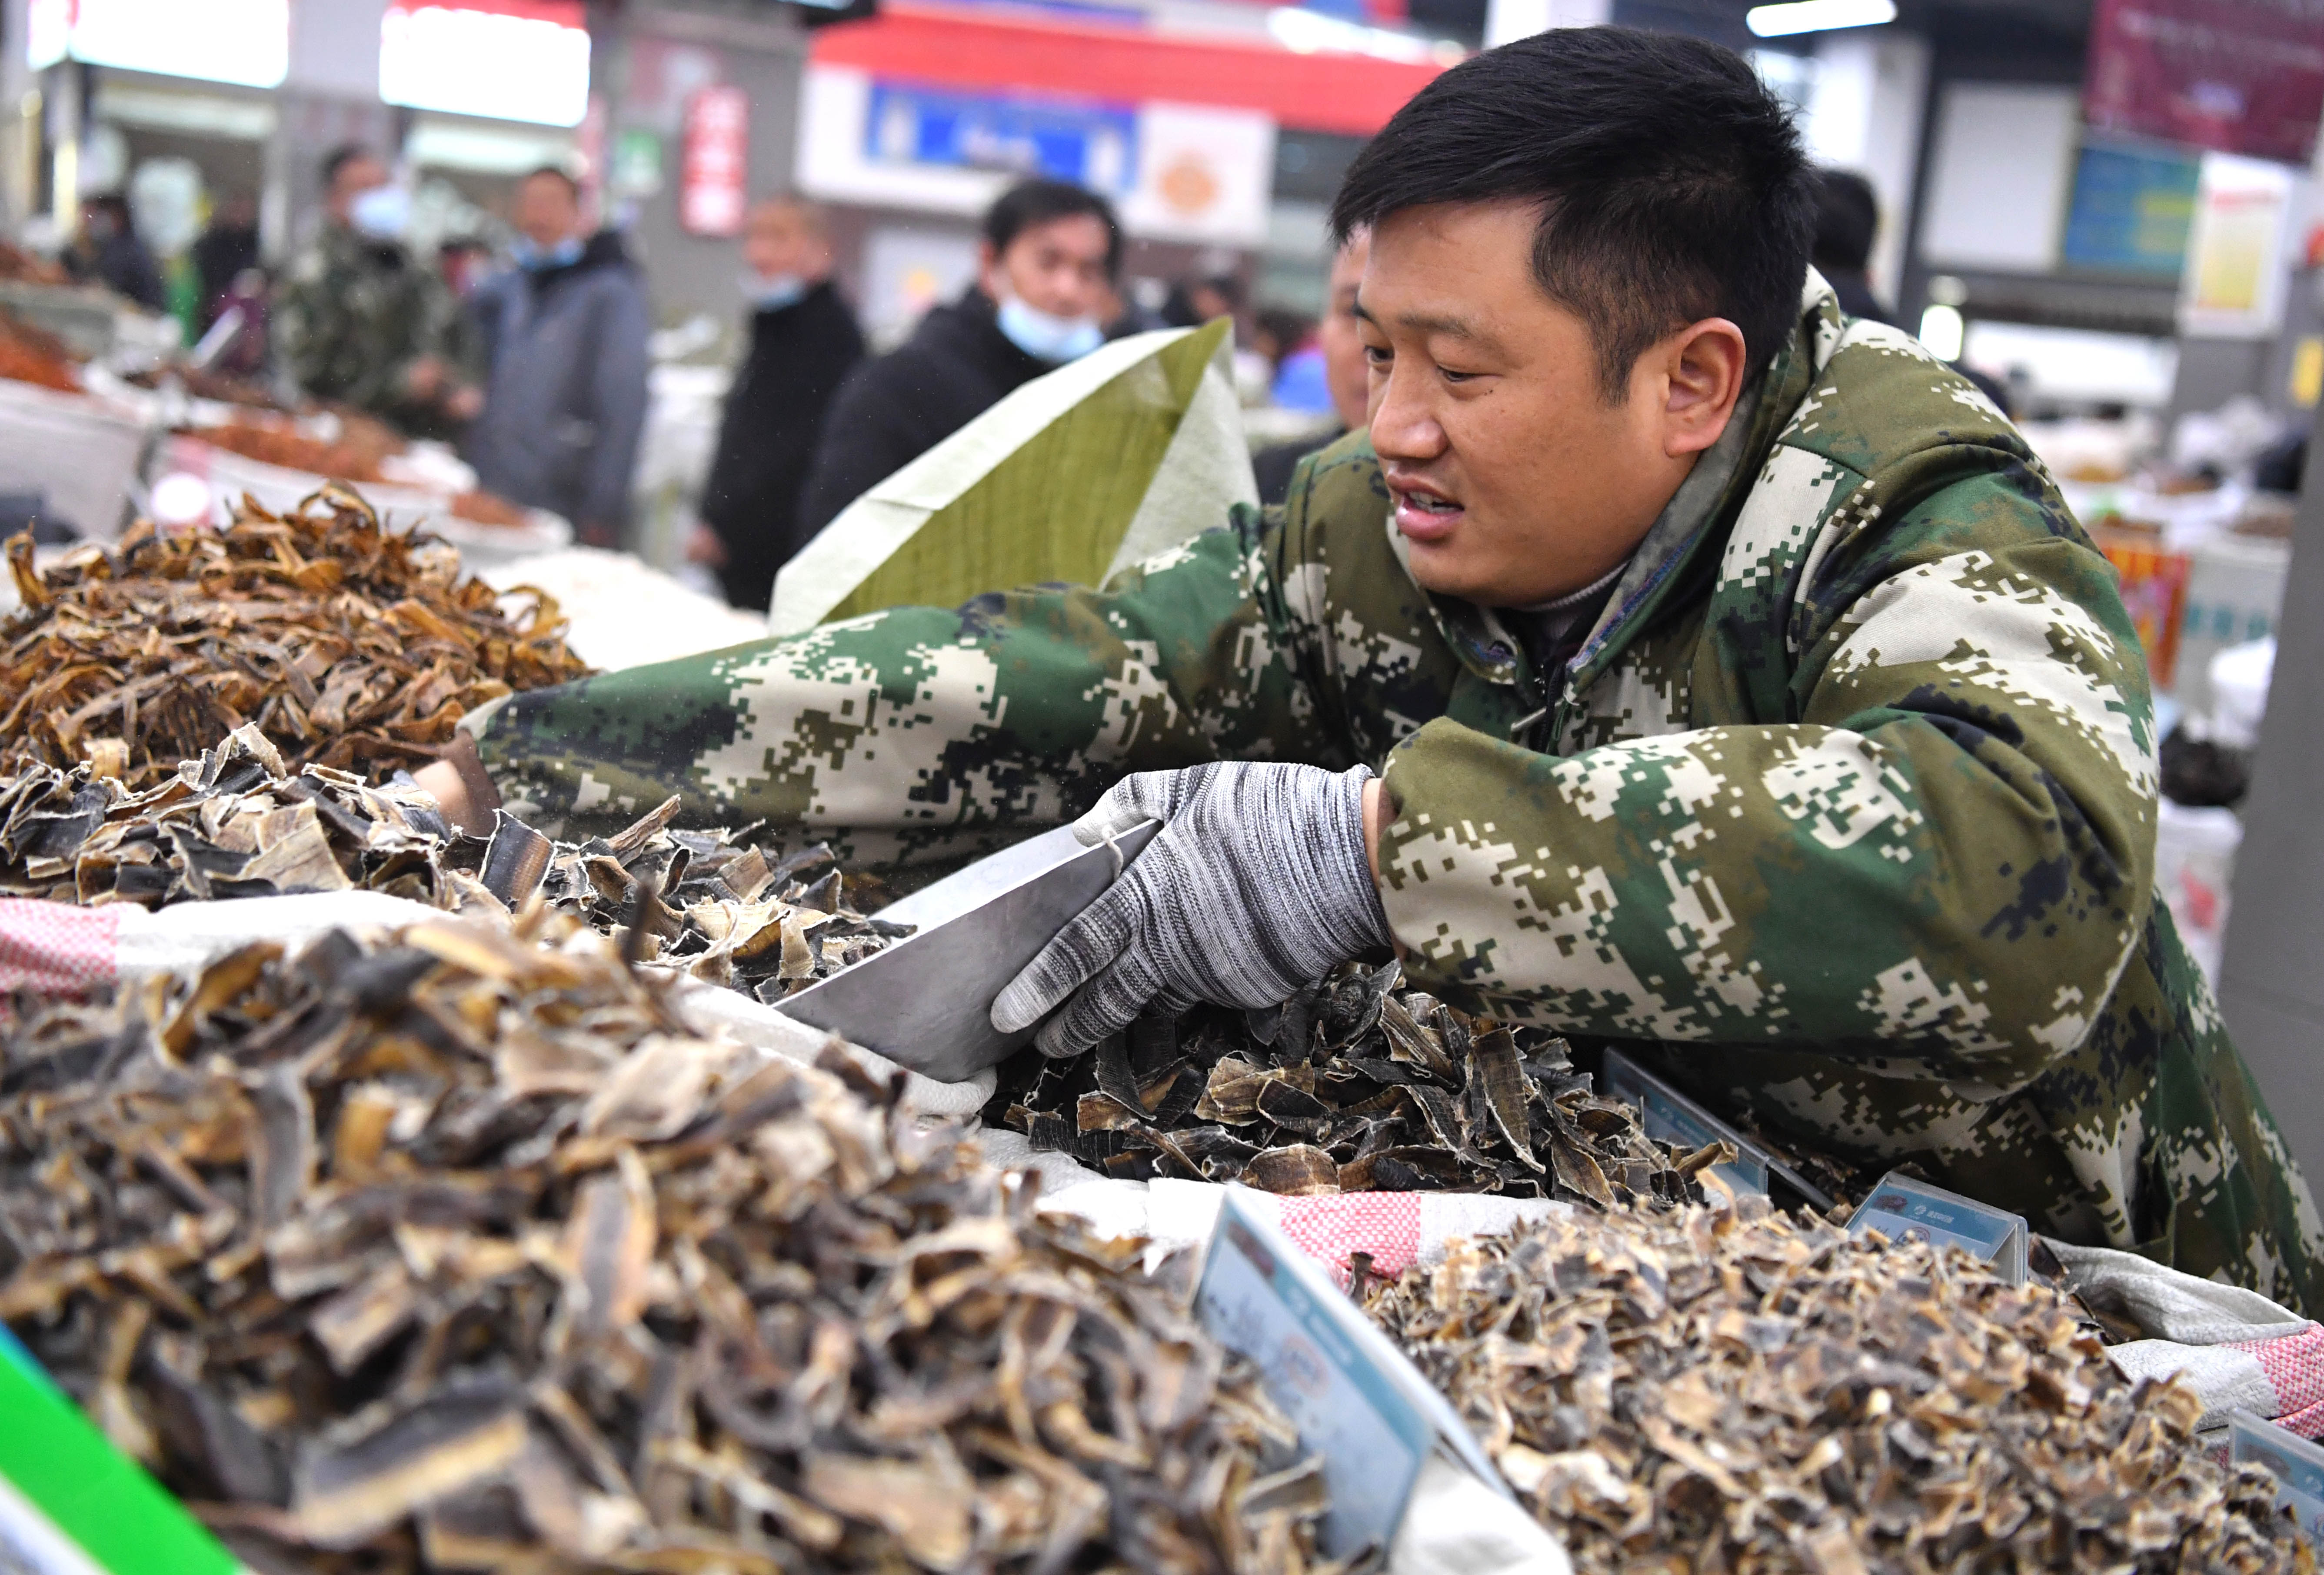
565, 400
1841, 814
956, 365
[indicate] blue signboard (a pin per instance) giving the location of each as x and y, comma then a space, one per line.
2132, 209
1089, 143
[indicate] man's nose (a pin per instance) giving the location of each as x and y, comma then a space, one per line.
1404, 421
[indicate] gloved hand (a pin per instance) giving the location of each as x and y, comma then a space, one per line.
1256, 884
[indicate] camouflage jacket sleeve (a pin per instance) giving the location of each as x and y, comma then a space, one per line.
922, 732
1937, 864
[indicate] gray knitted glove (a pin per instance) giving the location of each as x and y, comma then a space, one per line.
1256, 884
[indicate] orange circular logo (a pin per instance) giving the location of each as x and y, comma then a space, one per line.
1188, 185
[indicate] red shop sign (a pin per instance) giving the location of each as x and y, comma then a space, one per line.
714, 172
2241, 76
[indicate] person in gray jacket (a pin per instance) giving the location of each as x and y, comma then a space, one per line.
565, 337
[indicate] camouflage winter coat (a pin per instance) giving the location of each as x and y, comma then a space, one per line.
1843, 815
353, 317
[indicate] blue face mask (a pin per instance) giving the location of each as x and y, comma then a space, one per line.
535, 258
381, 214
772, 293
1045, 337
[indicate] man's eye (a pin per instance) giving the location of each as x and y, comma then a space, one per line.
1379, 354
1451, 376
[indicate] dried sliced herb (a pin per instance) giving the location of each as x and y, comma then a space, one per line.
352, 454
344, 643
1357, 1084
239, 822
30, 354
1741, 1390
460, 1251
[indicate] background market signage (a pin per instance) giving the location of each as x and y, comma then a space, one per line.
505, 59
2132, 208
2238, 76
1090, 144
244, 42
715, 163
1189, 173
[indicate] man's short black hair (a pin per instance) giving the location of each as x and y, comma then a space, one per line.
1671, 182
340, 158
1848, 215
572, 187
1036, 202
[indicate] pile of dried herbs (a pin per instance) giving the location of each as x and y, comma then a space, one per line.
462, 1253
30, 354
693, 899
231, 824
17, 264
238, 822
347, 644
273, 437
1698, 1390
1354, 1085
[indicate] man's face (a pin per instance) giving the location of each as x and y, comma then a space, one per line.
1514, 481
355, 176
545, 210
1340, 338
780, 241
1058, 267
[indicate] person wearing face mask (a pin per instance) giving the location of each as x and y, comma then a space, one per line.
564, 333
109, 251
803, 342
1344, 373
359, 321
1044, 283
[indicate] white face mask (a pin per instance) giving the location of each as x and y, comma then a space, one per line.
1047, 338
381, 214
771, 292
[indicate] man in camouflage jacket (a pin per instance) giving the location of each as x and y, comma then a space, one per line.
361, 321
1841, 811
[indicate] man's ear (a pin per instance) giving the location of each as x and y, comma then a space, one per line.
1702, 377
987, 269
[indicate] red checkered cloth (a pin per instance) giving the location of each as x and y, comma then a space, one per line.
2294, 1370
52, 949
1398, 1229
1328, 1228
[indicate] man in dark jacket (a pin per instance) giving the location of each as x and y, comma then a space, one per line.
564, 336
1346, 375
1847, 218
803, 341
1045, 272
109, 251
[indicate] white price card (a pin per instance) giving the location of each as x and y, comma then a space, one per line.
1358, 1403
1904, 1209
2296, 1464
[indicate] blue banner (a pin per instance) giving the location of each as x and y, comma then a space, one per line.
1090, 144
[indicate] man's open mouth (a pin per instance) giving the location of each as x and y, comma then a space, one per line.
1425, 517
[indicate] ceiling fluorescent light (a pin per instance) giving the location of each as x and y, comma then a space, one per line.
1817, 16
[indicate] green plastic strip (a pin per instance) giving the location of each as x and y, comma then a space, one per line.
64, 1471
